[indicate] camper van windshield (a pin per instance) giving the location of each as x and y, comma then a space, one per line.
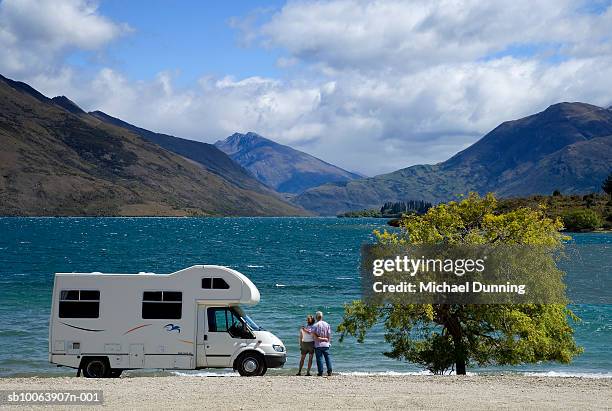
252, 324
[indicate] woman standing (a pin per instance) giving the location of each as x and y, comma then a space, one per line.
306, 340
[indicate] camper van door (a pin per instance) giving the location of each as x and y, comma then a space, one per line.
222, 337
201, 338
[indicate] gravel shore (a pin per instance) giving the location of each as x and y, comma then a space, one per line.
337, 392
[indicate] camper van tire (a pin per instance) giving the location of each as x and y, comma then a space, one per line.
250, 364
96, 367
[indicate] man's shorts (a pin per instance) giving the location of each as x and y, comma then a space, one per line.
307, 347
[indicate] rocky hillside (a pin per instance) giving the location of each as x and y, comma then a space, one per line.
57, 160
567, 147
281, 167
207, 155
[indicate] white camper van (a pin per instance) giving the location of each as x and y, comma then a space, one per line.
103, 324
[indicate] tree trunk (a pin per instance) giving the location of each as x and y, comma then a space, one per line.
460, 366
454, 328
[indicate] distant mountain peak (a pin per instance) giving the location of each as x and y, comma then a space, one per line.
570, 107
562, 112
253, 135
240, 142
281, 167
249, 135
67, 104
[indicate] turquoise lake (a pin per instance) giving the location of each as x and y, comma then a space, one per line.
300, 265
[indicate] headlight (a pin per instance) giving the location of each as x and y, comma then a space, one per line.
278, 348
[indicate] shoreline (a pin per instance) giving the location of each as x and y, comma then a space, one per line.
290, 372
339, 391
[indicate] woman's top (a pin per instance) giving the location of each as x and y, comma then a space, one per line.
307, 337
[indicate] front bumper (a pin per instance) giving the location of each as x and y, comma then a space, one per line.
275, 360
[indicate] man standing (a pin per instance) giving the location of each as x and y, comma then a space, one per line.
322, 342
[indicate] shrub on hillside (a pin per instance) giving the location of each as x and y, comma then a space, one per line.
581, 219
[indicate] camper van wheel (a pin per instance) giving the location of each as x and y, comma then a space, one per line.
96, 367
250, 364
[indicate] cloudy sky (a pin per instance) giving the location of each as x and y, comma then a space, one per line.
369, 86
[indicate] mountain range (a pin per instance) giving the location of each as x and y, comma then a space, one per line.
281, 167
55, 159
567, 147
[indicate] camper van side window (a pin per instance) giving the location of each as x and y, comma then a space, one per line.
217, 320
162, 305
79, 304
214, 284
173, 296
220, 284
152, 296
223, 319
69, 295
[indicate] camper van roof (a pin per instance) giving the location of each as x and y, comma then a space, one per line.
248, 294
179, 272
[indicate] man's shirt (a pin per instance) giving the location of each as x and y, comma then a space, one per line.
322, 329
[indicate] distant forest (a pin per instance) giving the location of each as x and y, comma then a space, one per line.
579, 213
411, 206
392, 209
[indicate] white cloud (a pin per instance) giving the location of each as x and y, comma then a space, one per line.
215, 109
370, 86
35, 35
407, 35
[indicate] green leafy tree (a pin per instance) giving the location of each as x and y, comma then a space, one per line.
581, 219
441, 337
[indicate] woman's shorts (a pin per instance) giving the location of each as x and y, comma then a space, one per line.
307, 347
